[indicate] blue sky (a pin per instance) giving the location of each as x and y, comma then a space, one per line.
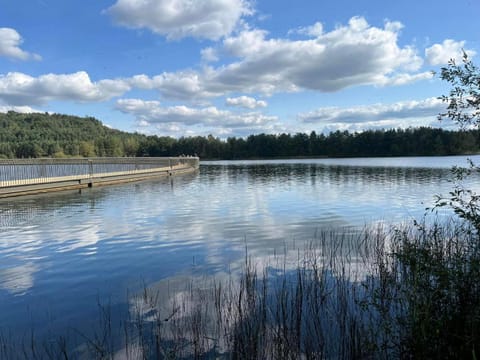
233, 67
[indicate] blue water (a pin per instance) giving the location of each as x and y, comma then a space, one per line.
62, 253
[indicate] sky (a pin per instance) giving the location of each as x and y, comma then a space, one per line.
234, 67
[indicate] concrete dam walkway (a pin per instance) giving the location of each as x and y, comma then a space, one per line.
33, 176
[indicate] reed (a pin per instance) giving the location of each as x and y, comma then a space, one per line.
403, 292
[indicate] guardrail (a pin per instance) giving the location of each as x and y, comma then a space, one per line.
19, 176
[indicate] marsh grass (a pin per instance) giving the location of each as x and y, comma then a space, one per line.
406, 292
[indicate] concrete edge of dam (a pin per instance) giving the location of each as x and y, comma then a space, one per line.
20, 177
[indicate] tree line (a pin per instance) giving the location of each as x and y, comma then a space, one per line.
57, 135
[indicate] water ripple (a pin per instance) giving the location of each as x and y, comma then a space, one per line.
59, 252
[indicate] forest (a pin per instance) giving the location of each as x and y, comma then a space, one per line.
56, 135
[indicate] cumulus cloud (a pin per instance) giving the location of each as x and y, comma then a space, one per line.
181, 117
21, 89
326, 62
355, 54
405, 78
245, 102
18, 109
313, 30
440, 54
377, 125
387, 113
184, 85
350, 55
209, 54
176, 19
10, 41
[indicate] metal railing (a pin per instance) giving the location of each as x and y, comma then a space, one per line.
18, 172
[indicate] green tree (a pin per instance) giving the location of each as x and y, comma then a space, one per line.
463, 107
131, 146
464, 97
86, 148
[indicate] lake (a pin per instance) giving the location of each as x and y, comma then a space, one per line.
63, 253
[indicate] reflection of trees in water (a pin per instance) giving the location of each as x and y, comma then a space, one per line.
338, 174
254, 316
19, 211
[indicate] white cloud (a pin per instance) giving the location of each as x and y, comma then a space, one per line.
375, 125
369, 114
327, 62
21, 89
181, 85
10, 41
19, 109
248, 42
209, 55
313, 30
350, 55
405, 78
245, 102
440, 54
178, 118
176, 19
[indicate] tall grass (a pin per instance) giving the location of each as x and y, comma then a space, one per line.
407, 292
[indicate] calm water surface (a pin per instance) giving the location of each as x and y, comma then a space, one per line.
61, 254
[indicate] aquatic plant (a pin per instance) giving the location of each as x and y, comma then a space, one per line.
403, 292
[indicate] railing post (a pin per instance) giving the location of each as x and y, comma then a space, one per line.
43, 169
90, 168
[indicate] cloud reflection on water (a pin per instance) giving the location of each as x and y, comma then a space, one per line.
71, 247
17, 280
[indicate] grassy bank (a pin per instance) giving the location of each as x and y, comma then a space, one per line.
409, 292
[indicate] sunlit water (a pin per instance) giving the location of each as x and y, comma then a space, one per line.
62, 253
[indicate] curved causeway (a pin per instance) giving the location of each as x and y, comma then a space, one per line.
32, 176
